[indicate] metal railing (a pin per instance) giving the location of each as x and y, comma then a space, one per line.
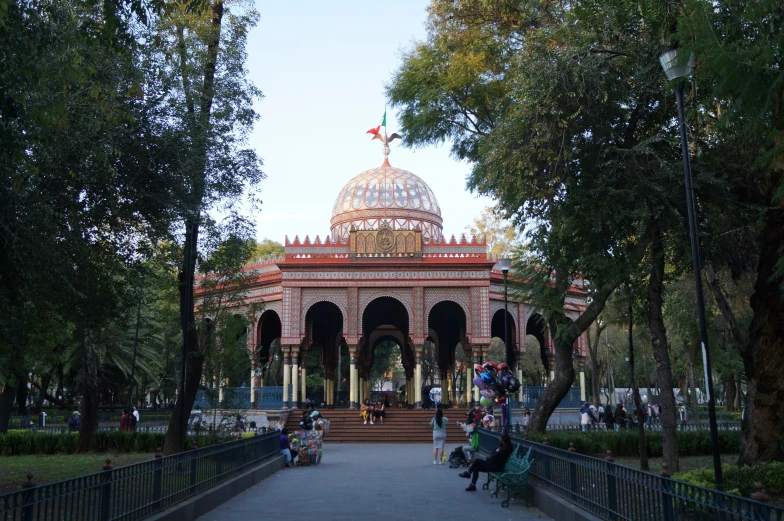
139, 490
656, 427
616, 492
532, 393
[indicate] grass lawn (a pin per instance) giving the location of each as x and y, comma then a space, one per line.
687, 463
47, 469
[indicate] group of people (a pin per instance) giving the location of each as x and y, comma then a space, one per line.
373, 411
474, 418
129, 419
592, 417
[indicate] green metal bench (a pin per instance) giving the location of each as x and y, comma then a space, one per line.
514, 477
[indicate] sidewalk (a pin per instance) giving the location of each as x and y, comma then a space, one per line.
370, 482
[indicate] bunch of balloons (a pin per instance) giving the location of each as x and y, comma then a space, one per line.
495, 382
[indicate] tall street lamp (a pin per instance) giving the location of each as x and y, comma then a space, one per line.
505, 264
136, 340
677, 66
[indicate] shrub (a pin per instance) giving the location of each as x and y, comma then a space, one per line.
625, 443
22, 442
740, 480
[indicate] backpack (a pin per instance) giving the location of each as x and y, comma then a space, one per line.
306, 423
457, 458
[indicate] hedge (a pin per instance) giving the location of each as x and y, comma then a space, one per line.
740, 480
16, 443
625, 443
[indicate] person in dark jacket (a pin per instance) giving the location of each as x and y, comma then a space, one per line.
495, 463
620, 417
609, 418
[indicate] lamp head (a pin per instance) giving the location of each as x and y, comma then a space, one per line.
505, 264
676, 63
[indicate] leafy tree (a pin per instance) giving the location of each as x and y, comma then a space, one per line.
501, 238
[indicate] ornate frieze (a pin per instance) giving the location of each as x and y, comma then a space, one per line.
403, 295
311, 296
459, 296
386, 275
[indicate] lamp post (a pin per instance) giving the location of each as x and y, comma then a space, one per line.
505, 264
136, 340
678, 66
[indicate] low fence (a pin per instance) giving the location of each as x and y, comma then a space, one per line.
532, 393
140, 490
556, 427
615, 492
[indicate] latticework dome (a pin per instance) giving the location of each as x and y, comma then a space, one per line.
386, 194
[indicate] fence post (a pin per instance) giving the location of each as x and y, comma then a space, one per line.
219, 460
761, 512
28, 499
157, 479
194, 466
572, 469
667, 511
106, 491
612, 498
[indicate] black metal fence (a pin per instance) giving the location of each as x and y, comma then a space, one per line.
556, 427
139, 490
616, 492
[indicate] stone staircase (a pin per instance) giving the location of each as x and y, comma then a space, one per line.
400, 426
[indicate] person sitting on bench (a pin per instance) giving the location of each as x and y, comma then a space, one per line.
495, 463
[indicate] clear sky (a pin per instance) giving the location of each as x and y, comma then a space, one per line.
322, 67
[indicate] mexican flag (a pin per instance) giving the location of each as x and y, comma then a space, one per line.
375, 131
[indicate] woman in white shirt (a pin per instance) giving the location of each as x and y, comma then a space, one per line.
439, 435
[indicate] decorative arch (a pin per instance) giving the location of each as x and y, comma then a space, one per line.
311, 297
404, 296
459, 296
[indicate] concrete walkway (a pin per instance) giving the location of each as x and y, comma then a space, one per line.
370, 482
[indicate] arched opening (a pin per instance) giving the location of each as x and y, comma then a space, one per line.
386, 373
322, 359
447, 322
536, 328
497, 330
385, 324
267, 349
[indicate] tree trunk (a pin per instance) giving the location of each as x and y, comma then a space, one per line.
762, 440
6, 406
729, 386
21, 394
563, 343
55, 400
89, 392
636, 394
660, 347
46, 379
194, 357
593, 360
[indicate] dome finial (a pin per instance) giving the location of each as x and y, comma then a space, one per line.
386, 140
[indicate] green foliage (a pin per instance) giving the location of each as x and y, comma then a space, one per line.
16, 443
625, 443
740, 479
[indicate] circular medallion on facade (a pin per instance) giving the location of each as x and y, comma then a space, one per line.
385, 240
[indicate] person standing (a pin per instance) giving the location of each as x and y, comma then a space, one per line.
620, 418
125, 421
495, 463
601, 413
74, 422
439, 435
609, 418
526, 419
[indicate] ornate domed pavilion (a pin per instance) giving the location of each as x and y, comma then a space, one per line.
389, 194
386, 272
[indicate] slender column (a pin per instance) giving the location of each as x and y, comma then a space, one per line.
303, 381
477, 352
362, 396
286, 376
520, 379
449, 395
253, 383
418, 377
582, 380
294, 377
352, 378
468, 383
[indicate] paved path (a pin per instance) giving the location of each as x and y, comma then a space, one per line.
370, 482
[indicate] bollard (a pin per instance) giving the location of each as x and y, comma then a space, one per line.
28, 498
667, 510
106, 491
573, 470
761, 512
612, 497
